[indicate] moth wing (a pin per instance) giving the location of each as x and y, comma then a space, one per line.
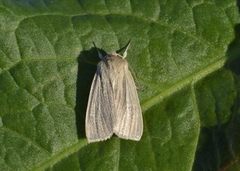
129, 122
99, 122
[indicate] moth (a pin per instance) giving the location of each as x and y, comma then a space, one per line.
113, 103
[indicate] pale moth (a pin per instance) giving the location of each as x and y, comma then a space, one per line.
113, 104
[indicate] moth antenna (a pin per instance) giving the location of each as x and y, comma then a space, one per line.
99, 53
124, 49
125, 52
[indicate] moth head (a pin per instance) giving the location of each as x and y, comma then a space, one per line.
122, 52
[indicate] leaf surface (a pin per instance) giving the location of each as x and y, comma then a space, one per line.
47, 64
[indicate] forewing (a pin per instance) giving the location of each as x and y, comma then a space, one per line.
99, 121
129, 122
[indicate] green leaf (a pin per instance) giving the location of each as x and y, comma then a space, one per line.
47, 63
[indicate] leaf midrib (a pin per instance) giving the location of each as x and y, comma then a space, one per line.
191, 79
60, 155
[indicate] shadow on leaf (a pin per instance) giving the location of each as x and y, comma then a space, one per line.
233, 52
87, 65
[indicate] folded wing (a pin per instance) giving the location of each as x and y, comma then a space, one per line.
129, 122
99, 121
